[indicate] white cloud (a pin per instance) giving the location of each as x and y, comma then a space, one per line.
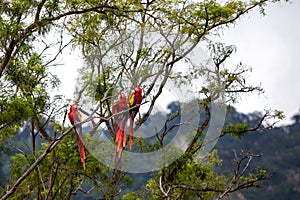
270, 45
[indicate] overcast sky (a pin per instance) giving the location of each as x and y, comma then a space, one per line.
269, 44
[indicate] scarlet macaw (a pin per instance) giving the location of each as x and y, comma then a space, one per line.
75, 117
120, 121
134, 102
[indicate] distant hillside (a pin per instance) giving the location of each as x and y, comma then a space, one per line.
280, 148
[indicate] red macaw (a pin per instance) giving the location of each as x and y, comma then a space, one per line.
134, 102
120, 121
75, 117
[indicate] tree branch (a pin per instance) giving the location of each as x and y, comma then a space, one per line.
51, 146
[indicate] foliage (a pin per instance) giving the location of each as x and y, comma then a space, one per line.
59, 175
123, 43
192, 181
238, 129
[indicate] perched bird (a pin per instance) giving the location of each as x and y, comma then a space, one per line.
75, 117
134, 106
120, 121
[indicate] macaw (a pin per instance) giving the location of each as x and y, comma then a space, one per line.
120, 121
75, 117
134, 106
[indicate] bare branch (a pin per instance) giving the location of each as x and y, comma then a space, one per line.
165, 193
236, 183
16, 148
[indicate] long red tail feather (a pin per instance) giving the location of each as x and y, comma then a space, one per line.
120, 136
130, 133
81, 148
75, 117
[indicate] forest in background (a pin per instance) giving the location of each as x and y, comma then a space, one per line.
279, 149
143, 48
